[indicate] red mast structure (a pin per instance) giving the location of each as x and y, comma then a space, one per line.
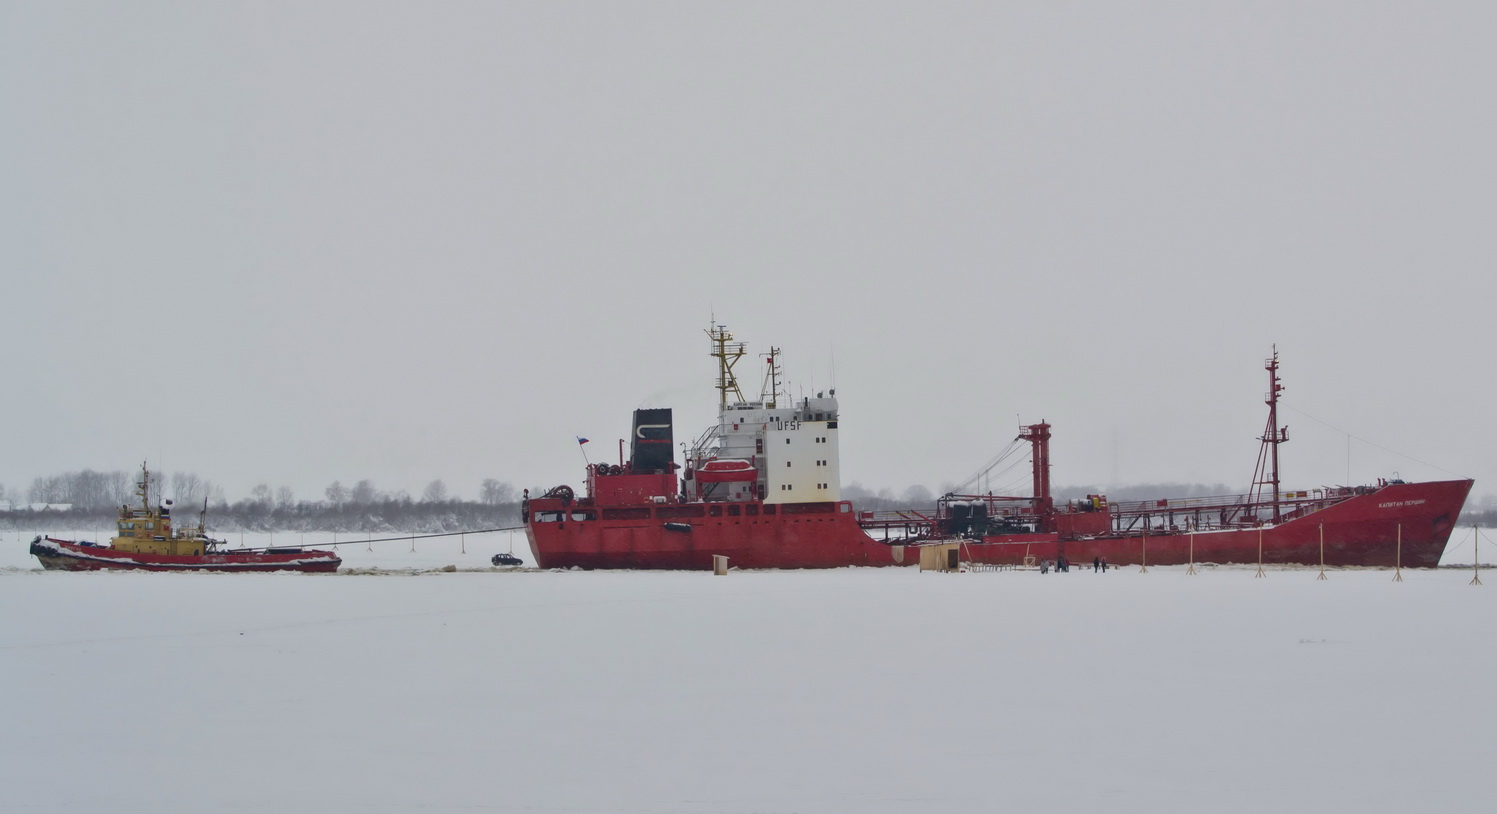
1038, 436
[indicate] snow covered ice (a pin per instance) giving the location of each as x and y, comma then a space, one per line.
852, 690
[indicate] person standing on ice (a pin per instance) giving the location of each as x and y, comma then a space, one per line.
1096, 564
1104, 565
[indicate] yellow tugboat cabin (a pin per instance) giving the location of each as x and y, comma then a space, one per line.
146, 530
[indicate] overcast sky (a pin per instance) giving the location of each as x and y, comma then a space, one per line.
298, 242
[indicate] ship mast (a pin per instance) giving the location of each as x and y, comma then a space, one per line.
771, 395
1266, 473
143, 489
727, 352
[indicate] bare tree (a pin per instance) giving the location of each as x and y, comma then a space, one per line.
284, 497
336, 494
85, 490
119, 487
261, 493
46, 490
493, 492
363, 493
436, 492
188, 488
917, 495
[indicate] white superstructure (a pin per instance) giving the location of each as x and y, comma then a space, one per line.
760, 450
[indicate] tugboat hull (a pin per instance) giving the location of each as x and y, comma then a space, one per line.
65, 555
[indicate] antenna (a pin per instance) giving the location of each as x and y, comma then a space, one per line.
834, 369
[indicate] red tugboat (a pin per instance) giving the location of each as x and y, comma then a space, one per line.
761, 487
147, 541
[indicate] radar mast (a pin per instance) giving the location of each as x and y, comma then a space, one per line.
727, 352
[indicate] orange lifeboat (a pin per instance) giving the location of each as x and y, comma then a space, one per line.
727, 470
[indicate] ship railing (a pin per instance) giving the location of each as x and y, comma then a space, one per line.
1286, 499
1128, 507
712, 436
897, 516
901, 524
1216, 512
971, 565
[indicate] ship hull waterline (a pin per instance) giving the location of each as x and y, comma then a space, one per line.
1401, 524
65, 555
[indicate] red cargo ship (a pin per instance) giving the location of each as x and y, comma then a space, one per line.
761, 488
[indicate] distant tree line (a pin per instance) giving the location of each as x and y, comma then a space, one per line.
87, 489
885, 500
94, 499
1484, 517
247, 516
100, 490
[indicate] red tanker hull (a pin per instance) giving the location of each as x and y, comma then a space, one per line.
1402, 523
806, 535
64, 555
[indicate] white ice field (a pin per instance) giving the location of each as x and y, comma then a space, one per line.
852, 690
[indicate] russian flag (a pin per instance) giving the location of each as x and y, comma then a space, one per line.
581, 440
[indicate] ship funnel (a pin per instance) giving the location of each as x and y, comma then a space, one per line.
650, 445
